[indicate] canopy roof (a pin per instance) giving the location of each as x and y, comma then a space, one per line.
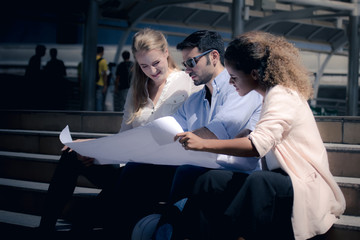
322, 24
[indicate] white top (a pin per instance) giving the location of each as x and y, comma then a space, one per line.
288, 128
178, 87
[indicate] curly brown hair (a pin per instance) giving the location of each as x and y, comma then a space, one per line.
276, 60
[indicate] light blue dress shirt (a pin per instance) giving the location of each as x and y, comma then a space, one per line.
228, 114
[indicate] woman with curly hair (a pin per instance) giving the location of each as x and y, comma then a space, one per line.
295, 196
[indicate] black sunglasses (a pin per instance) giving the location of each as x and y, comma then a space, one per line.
191, 62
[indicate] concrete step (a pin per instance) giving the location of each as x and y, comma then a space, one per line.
348, 222
344, 159
333, 129
339, 129
28, 196
39, 168
37, 141
347, 227
351, 190
28, 220
79, 121
15, 226
32, 167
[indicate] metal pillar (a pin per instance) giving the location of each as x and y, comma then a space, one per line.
122, 42
89, 57
353, 68
238, 24
318, 76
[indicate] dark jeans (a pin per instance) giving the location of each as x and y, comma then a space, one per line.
228, 205
64, 181
263, 207
182, 187
203, 215
139, 189
184, 180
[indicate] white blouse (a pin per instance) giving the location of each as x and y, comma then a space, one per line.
178, 87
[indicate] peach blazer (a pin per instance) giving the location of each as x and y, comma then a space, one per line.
288, 128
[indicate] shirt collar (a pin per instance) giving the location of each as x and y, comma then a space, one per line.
220, 81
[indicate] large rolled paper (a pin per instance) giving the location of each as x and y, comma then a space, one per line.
153, 143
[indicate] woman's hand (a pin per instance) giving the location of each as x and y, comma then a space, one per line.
191, 141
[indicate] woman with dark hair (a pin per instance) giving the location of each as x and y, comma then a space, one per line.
296, 196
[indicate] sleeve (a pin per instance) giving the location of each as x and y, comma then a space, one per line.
279, 113
128, 110
236, 114
180, 116
175, 93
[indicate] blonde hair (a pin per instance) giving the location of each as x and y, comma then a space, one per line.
145, 40
276, 60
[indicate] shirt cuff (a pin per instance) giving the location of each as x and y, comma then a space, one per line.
218, 129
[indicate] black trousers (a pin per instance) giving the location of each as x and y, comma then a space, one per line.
183, 182
139, 189
64, 181
228, 205
263, 207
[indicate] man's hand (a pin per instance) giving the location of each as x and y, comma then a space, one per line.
87, 161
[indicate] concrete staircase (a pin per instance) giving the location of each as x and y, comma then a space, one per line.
342, 140
30, 149
29, 152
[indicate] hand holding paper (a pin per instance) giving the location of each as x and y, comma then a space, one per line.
153, 143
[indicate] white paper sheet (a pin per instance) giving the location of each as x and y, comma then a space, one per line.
152, 143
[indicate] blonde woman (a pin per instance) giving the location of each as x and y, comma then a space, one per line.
158, 87
297, 197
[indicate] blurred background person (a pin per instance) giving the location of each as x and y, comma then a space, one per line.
101, 79
109, 98
34, 77
55, 73
122, 82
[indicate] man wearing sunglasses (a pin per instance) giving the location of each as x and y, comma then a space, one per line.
216, 111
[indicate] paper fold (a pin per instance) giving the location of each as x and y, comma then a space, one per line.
153, 143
